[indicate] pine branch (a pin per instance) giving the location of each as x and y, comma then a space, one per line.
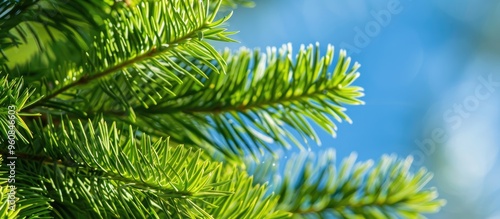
135, 46
316, 188
170, 181
120, 77
29, 200
91, 77
14, 97
251, 105
31, 26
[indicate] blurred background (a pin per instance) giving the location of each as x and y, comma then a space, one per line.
431, 73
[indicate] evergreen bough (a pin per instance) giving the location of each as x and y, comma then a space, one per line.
126, 110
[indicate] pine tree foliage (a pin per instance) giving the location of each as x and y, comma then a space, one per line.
246, 117
145, 175
126, 110
316, 187
40, 24
14, 96
137, 52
